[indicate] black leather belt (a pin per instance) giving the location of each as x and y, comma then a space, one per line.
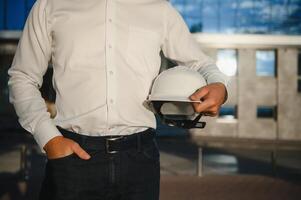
111, 144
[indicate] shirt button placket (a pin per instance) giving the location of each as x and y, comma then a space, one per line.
111, 82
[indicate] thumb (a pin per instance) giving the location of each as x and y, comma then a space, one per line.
199, 94
80, 151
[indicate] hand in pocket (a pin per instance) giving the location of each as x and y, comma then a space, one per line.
60, 146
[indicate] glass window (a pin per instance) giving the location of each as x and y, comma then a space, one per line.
14, 19
28, 5
265, 63
242, 16
228, 112
2, 14
13, 13
266, 112
227, 61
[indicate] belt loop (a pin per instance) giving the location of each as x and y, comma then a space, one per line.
139, 142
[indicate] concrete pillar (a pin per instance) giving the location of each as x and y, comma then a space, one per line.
246, 92
289, 106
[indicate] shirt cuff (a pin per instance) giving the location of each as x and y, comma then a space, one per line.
225, 83
44, 132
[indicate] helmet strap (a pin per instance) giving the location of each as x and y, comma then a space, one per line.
187, 124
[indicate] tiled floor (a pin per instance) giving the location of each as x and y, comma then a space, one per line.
227, 187
235, 174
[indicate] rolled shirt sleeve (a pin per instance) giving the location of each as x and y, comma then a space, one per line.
26, 76
180, 46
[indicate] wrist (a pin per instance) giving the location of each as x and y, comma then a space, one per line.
52, 142
225, 91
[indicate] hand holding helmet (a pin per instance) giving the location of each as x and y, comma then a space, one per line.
212, 96
180, 96
169, 97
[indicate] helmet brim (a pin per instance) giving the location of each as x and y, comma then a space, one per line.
173, 99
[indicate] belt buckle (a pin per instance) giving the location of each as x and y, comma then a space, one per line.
108, 144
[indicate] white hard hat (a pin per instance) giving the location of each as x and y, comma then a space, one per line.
176, 84
169, 96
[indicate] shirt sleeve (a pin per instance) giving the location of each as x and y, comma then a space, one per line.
26, 76
180, 46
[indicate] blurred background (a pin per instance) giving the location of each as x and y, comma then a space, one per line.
252, 150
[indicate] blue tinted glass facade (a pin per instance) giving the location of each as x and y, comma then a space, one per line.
13, 13
210, 16
242, 16
2, 18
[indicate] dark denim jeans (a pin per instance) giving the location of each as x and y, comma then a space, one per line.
127, 175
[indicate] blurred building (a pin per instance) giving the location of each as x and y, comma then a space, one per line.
256, 42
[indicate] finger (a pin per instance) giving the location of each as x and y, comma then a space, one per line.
199, 94
211, 113
207, 106
80, 151
207, 114
203, 106
200, 108
195, 106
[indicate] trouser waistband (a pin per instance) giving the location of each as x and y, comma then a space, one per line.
111, 144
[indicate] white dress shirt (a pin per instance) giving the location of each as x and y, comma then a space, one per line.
105, 55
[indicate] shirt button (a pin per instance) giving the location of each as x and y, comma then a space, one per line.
111, 72
110, 46
111, 101
110, 20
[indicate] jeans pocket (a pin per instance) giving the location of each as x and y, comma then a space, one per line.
62, 178
149, 153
